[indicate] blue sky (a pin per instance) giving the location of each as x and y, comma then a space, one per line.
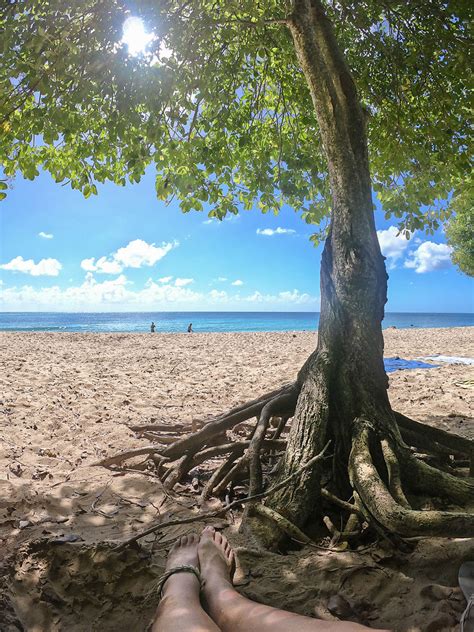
124, 250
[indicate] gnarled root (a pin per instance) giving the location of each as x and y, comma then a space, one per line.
382, 469
197, 440
383, 507
180, 455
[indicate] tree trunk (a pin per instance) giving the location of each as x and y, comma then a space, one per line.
343, 386
344, 379
341, 392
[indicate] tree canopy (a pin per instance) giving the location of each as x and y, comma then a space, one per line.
220, 106
460, 233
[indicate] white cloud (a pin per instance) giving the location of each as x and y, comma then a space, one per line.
269, 232
392, 245
45, 267
109, 295
237, 282
294, 297
183, 282
429, 257
215, 220
138, 253
219, 295
120, 295
222, 279
102, 265
165, 279
45, 235
135, 254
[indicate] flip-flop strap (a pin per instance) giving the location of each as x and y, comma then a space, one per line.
465, 615
185, 568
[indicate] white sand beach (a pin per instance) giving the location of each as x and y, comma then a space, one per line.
67, 400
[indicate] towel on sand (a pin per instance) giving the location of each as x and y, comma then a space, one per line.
397, 364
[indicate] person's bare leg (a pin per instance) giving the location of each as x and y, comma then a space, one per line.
234, 613
180, 609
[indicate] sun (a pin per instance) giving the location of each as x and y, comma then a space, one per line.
135, 36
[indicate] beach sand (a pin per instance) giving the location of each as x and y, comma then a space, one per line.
67, 400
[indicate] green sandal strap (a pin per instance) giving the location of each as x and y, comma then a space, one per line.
185, 568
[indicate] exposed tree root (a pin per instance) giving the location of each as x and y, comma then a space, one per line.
379, 488
433, 438
119, 458
386, 510
218, 475
351, 508
427, 479
282, 523
157, 427
197, 440
393, 468
237, 448
283, 403
220, 512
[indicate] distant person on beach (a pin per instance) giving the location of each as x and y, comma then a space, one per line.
202, 567
152, 328
190, 328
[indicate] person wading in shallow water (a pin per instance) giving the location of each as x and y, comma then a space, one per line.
197, 595
190, 328
152, 328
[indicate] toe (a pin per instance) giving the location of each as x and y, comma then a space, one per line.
208, 532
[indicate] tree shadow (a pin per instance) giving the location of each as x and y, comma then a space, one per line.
60, 568
61, 571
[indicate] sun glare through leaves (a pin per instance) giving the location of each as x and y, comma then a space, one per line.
135, 36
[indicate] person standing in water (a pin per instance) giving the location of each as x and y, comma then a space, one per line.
190, 328
152, 328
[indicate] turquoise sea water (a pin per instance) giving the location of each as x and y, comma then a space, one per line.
173, 322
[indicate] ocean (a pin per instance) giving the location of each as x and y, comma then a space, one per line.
174, 322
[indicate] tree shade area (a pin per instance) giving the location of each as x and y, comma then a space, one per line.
240, 105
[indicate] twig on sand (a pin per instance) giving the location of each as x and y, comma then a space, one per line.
219, 512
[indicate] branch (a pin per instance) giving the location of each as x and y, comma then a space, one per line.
123, 456
250, 23
226, 508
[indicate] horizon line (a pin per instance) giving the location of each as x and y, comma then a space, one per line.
198, 311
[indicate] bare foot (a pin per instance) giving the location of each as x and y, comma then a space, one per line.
183, 552
180, 608
216, 559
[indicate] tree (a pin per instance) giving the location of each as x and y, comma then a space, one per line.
263, 103
460, 234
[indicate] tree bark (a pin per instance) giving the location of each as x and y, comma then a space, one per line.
344, 379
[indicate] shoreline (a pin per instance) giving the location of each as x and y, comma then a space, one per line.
229, 332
